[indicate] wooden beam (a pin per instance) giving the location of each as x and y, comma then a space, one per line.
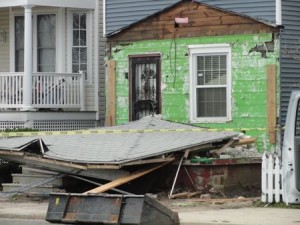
219, 151
148, 161
125, 179
110, 119
244, 141
55, 162
271, 103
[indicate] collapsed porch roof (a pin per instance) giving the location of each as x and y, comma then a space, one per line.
156, 138
86, 4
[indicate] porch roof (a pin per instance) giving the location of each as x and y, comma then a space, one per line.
86, 4
117, 148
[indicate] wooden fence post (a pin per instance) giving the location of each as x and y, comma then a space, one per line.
271, 102
110, 119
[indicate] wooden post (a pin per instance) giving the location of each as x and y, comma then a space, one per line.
110, 119
271, 103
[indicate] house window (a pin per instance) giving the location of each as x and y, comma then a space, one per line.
19, 43
79, 43
210, 83
44, 45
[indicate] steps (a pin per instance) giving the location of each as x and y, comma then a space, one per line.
34, 182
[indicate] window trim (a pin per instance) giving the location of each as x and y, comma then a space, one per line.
209, 49
89, 41
59, 15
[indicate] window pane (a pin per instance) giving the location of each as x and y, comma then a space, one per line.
215, 78
211, 70
46, 60
200, 70
223, 62
83, 21
82, 38
75, 38
19, 60
79, 50
75, 20
19, 43
207, 77
75, 55
211, 102
83, 67
83, 55
75, 68
46, 36
223, 77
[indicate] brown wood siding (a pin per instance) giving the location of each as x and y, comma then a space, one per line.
203, 21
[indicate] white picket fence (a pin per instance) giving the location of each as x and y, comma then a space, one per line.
271, 178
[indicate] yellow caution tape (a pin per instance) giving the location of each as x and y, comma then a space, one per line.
102, 131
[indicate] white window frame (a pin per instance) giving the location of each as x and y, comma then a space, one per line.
89, 41
60, 37
202, 50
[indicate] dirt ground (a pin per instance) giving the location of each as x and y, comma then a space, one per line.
195, 211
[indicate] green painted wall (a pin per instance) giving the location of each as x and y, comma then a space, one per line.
248, 80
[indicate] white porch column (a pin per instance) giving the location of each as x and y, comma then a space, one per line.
27, 82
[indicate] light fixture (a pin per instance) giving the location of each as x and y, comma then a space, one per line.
179, 20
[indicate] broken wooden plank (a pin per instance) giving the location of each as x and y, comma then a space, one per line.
55, 162
245, 141
185, 194
148, 161
218, 152
124, 180
224, 200
98, 184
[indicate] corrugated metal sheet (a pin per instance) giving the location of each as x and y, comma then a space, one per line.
111, 148
290, 53
120, 13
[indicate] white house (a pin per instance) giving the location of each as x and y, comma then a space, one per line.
51, 70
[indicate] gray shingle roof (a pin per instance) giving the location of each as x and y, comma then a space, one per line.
115, 148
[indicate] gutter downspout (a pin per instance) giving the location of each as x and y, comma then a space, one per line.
96, 58
278, 12
104, 17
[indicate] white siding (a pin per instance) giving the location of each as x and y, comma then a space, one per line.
101, 66
290, 54
120, 13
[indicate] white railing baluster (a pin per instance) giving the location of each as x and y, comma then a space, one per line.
49, 90
82, 91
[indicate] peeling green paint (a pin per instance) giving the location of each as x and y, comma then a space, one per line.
248, 80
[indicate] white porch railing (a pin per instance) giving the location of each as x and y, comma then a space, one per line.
271, 181
49, 90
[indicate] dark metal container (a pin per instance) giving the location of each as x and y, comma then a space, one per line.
109, 209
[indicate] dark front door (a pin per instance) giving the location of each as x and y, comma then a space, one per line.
144, 86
